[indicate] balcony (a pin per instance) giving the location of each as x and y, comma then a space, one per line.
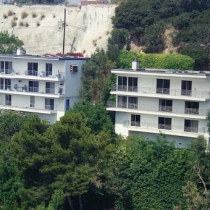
33, 89
156, 109
167, 129
32, 72
6, 71
50, 90
30, 107
159, 92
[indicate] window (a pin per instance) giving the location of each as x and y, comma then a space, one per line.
163, 86
32, 101
122, 102
48, 69
50, 87
164, 123
7, 84
2, 84
186, 88
135, 120
73, 68
6, 67
122, 83
132, 102
49, 104
132, 84
33, 86
191, 107
33, 69
191, 126
8, 100
165, 105
67, 104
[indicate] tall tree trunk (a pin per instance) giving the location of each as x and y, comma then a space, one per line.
80, 202
70, 202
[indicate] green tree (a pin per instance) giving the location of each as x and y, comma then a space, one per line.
96, 78
9, 43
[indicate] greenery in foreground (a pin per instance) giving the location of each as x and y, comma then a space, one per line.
72, 165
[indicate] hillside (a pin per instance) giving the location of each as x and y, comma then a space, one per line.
88, 27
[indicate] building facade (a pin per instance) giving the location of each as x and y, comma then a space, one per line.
44, 85
153, 101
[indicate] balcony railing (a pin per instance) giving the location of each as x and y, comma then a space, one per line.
170, 128
165, 108
156, 108
191, 111
29, 106
6, 71
33, 72
50, 90
33, 89
155, 91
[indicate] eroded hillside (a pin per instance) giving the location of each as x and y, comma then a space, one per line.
87, 27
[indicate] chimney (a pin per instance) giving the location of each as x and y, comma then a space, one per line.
20, 51
135, 64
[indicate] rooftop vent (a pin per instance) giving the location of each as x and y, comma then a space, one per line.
135, 64
20, 51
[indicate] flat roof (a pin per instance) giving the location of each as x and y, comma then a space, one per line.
42, 57
163, 71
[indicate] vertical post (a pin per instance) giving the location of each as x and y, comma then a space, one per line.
64, 30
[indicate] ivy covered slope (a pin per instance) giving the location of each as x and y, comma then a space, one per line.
147, 20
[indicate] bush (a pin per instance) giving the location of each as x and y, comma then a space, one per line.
21, 24
158, 61
15, 18
34, 15
42, 16
5, 16
26, 24
10, 13
24, 14
37, 24
13, 23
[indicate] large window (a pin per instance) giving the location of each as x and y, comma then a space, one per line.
122, 102
165, 105
33, 69
191, 107
122, 83
49, 104
50, 87
33, 86
8, 100
48, 69
7, 84
132, 84
132, 102
186, 88
164, 123
191, 126
163, 86
135, 120
6, 67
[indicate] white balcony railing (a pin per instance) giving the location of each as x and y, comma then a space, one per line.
173, 92
157, 108
169, 128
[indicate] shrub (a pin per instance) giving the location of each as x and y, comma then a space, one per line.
34, 15
24, 14
10, 13
37, 24
5, 16
42, 16
26, 24
15, 18
158, 61
21, 24
13, 23
54, 15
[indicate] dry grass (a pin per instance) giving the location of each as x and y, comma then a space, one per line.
24, 14
13, 23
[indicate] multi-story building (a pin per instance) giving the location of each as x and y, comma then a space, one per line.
44, 85
153, 101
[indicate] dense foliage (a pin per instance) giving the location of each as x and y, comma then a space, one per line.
9, 43
147, 20
157, 61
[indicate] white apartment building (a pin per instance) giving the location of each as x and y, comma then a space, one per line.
153, 101
44, 85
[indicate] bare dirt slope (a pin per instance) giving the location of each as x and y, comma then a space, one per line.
87, 27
